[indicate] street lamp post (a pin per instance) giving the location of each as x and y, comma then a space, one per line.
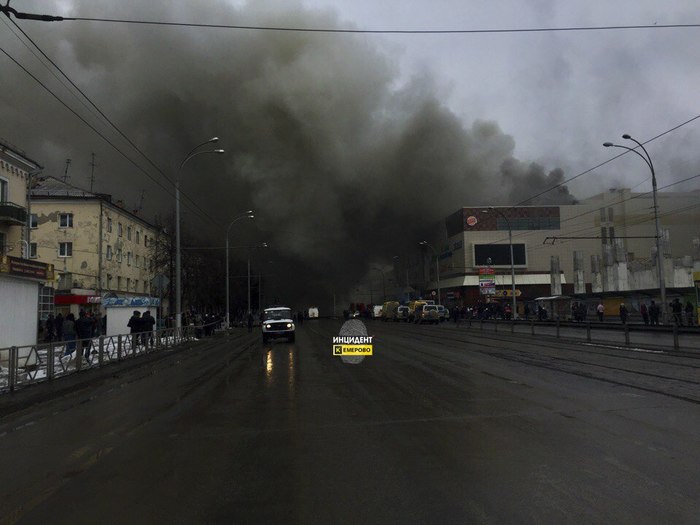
512, 260
659, 253
437, 267
246, 215
178, 258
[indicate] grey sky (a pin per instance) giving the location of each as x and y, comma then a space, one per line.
560, 95
338, 140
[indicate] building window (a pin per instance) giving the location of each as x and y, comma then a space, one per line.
119, 255
138, 237
2, 244
138, 260
109, 253
611, 233
32, 250
145, 287
65, 249
610, 215
3, 190
128, 232
128, 283
128, 258
33, 221
602, 215
145, 241
109, 225
119, 283
604, 235
65, 220
120, 230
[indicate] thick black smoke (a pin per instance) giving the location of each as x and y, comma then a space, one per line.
343, 165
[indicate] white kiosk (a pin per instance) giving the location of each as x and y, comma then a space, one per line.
120, 309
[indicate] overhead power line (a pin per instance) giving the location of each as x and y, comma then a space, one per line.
51, 18
97, 111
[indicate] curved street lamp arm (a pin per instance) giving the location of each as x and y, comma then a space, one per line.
246, 215
190, 155
647, 161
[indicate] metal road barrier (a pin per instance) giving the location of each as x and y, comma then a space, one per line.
632, 335
24, 365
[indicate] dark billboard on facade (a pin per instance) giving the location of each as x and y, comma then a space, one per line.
499, 255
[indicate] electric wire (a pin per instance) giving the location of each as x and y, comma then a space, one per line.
115, 127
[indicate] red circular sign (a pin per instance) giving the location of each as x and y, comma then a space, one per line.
471, 220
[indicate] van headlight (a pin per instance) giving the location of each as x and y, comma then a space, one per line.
268, 326
290, 325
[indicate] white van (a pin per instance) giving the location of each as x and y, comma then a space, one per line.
313, 312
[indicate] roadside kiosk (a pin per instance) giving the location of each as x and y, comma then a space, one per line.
120, 309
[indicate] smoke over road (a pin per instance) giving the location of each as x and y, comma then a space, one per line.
344, 162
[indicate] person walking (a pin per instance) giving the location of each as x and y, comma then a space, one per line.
527, 312
134, 325
68, 332
59, 327
654, 313
645, 313
623, 313
677, 309
84, 330
147, 324
600, 310
689, 313
50, 328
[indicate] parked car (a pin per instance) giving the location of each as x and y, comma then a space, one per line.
401, 314
428, 313
443, 313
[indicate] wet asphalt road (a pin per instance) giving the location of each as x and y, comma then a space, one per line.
439, 426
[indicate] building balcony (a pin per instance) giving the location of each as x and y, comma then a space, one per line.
11, 213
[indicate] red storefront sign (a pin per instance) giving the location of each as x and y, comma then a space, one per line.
77, 299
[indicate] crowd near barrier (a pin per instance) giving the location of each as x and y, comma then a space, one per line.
25, 365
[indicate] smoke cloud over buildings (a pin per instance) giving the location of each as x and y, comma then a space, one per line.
344, 162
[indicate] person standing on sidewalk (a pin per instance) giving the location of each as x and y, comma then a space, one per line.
600, 310
68, 332
689, 313
147, 322
645, 313
134, 325
84, 329
623, 313
654, 313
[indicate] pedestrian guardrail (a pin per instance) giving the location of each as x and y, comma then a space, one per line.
638, 335
24, 365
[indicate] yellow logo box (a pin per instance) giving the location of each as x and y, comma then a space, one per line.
352, 349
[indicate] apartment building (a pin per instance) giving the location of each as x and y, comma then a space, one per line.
21, 280
96, 245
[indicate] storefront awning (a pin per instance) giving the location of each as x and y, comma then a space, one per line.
501, 280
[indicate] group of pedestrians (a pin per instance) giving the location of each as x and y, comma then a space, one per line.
69, 330
141, 328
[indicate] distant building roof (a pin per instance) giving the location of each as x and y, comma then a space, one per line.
53, 187
18, 155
